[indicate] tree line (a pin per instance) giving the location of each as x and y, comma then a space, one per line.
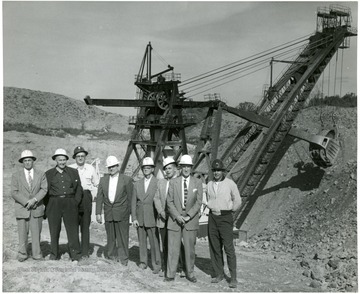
348, 100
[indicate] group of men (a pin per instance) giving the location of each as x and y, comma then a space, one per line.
163, 211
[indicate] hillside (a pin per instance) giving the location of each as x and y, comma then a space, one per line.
53, 112
300, 235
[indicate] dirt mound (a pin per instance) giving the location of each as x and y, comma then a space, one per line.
46, 110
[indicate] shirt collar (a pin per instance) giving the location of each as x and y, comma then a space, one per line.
64, 170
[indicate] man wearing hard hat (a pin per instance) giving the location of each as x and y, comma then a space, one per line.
183, 201
28, 188
170, 170
114, 198
223, 200
65, 194
143, 215
89, 182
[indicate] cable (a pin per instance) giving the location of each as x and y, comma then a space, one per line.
249, 66
222, 77
231, 65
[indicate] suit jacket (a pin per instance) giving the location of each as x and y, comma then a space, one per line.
193, 204
21, 193
142, 208
119, 210
160, 202
75, 178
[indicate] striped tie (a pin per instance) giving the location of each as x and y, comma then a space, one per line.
185, 193
30, 179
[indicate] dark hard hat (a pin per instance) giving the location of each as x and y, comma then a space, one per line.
78, 150
217, 164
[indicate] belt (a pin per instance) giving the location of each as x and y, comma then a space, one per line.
222, 212
63, 196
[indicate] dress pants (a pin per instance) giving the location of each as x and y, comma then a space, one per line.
117, 233
174, 248
67, 209
164, 242
85, 209
163, 236
35, 226
220, 233
150, 232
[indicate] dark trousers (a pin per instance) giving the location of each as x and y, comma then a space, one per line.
65, 209
117, 233
163, 236
220, 233
85, 209
151, 233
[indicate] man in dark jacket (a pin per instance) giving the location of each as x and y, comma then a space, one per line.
64, 194
114, 197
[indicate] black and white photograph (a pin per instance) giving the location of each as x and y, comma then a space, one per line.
179, 146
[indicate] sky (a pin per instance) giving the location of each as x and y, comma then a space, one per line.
95, 48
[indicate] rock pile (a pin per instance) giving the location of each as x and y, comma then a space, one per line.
320, 230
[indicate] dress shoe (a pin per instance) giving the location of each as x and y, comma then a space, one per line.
142, 266
192, 279
169, 279
233, 284
162, 274
38, 258
182, 274
217, 279
156, 271
22, 259
124, 263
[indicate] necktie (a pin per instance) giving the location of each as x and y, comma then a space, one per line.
30, 179
185, 193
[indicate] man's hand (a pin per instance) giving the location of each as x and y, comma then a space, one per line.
180, 220
30, 204
163, 215
215, 211
98, 218
135, 223
186, 218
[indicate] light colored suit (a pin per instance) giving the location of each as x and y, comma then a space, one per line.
143, 210
21, 193
116, 215
160, 202
188, 231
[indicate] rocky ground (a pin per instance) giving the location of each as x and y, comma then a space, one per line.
301, 235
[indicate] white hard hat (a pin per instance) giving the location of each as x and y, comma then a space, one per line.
147, 161
60, 151
26, 154
186, 160
168, 160
111, 161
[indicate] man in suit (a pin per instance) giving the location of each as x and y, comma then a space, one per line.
114, 198
65, 193
143, 214
170, 170
184, 201
89, 182
28, 188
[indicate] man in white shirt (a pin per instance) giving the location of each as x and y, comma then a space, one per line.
89, 182
28, 188
223, 199
114, 197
